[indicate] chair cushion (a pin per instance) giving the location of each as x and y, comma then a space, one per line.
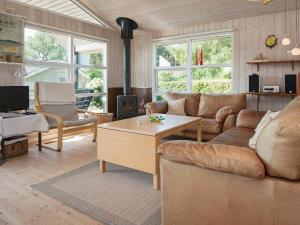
210, 104
80, 122
191, 101
68, 112
75, 123
210, 125
279, 143
55, 93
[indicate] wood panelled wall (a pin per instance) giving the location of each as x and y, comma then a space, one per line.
249, 40
51, 20
141, 59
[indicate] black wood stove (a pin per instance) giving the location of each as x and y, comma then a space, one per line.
127, 104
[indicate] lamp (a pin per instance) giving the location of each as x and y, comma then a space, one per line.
296, 51
286, 40
20, 73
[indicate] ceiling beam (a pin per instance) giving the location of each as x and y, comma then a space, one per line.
92, 14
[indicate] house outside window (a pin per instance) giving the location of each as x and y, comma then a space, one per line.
58, 57
176, 69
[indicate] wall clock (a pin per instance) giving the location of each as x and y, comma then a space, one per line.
271, 41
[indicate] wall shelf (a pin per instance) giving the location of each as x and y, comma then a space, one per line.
7, 42
258, 62
11, 63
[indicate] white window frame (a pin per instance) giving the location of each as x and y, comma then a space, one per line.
188, 68
70, 65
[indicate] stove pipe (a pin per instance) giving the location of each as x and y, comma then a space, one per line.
127, 27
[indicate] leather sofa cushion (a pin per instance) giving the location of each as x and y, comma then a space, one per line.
249, 118
238, 136
210, 128
176, 107
191, 101
210, 104
157, 107
279, 143
210, 125
225, 158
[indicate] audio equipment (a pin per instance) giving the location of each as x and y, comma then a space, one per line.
254, 83
291, 83
271, 89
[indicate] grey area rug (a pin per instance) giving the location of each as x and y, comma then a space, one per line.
120, 196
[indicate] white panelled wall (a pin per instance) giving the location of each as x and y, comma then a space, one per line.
249, 40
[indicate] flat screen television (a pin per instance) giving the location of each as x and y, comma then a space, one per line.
14, 98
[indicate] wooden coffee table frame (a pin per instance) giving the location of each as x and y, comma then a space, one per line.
136, 150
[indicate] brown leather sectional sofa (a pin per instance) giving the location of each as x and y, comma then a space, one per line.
224, 182
218, 112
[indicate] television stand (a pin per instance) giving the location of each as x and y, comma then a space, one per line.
21, 125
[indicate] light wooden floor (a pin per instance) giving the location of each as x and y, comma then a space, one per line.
21, 204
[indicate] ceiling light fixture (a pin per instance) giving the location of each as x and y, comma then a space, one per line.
296, 51
286, 40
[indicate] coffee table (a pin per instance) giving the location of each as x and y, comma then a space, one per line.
133, 142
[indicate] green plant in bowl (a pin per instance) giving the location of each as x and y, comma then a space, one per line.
156, 118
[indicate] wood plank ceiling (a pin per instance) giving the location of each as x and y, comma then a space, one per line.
70, 8
158, 15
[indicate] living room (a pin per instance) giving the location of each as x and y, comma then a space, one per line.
150, 112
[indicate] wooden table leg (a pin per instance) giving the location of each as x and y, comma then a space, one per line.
199, 132
156, 181
40, 141
156, 176
102, 166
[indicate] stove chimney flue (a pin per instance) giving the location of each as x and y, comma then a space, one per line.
127, 27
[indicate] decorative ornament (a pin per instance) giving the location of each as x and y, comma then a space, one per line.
271, 41
260, 57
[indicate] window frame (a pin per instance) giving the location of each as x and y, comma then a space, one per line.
189, 39
70, 65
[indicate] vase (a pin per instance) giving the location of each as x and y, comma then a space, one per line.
197, 59
201, 57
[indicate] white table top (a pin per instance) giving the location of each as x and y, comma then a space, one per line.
142, 124
22, 124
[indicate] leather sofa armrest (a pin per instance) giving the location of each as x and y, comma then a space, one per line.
218, 157
249, 118
229, 122
226, 111
157, 107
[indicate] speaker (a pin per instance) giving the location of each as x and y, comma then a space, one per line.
291, 83
254, 83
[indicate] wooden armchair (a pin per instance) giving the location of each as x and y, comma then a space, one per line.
56, 101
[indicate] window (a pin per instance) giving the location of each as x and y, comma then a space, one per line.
178, 68
58, 57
